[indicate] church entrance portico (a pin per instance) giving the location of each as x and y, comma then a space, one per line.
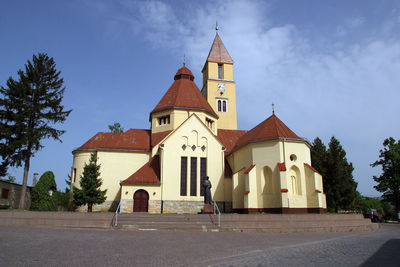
141, 201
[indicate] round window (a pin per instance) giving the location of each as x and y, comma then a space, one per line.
293, 157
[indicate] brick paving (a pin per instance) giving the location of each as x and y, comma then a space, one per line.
23, 246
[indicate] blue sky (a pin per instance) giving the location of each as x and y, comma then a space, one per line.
330, 67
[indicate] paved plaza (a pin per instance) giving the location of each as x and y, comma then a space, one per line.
20, 246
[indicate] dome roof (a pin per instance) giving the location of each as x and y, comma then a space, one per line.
184, 73
184, 94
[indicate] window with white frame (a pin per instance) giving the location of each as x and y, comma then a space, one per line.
222, 105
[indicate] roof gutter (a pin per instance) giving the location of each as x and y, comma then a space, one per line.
183, 108
272, 139
109, 149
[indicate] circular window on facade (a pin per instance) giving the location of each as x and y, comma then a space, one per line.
293, 157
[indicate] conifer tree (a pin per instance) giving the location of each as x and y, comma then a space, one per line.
339, 185
389, 180
319, 156
29, 109
90, 183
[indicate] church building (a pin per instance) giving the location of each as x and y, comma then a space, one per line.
193, 134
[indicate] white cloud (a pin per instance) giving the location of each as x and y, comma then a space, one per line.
350, 91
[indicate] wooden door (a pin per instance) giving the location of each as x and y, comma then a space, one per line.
140, 201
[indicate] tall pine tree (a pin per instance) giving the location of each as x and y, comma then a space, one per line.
319, 156
339, 185
29, 109
90, 183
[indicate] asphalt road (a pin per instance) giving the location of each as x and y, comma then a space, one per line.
80, 247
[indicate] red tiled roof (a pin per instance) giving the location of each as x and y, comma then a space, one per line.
281, 166
249, 169
149, 173
271, 128
229, 138
157, 137
218, 52
133, 139
314, 170
184, 94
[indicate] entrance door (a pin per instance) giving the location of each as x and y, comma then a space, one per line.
140, 201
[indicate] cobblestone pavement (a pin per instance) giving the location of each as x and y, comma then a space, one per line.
81, 247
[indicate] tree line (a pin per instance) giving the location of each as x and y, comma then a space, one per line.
338, 181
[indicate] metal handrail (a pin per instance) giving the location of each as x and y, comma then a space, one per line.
219, 213
117, 211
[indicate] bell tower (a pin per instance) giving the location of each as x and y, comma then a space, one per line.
218, 84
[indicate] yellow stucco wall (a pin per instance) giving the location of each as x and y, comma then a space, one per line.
227, 120
239, 162
116, 166
265, 181
192, 133
177, 117
301, 155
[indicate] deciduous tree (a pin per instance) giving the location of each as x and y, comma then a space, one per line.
389, 180
116, 128
43, 194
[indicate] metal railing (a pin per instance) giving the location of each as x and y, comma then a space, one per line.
219, 213
117, 211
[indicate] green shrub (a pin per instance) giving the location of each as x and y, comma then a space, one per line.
44, 194
65, 201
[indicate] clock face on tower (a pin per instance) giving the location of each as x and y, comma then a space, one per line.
221, 87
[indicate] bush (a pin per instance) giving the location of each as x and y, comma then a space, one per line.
65, 201
44, 194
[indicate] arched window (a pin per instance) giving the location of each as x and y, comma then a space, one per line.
295, 181
268, 185
222, 105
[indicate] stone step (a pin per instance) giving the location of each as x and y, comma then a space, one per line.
342, 228
276, 229
194, 222
294, 223
252, 223
239, 217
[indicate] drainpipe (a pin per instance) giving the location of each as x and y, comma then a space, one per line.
162, 176
223, 174
284, 153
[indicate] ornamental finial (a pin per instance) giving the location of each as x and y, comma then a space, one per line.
273, 108
216, 26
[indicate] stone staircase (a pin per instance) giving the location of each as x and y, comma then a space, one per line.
276, 223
